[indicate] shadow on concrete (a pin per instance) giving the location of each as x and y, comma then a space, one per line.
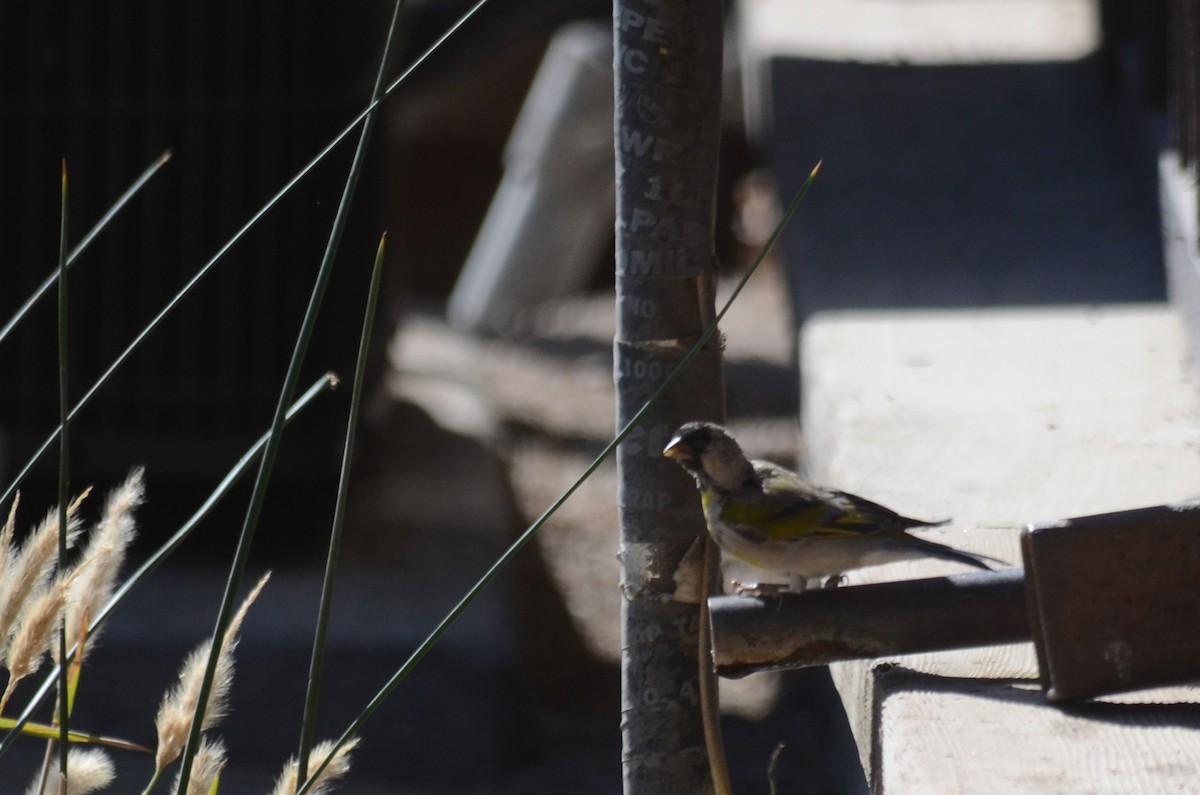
963, 185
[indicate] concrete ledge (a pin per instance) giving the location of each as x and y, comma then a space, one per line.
998, 418
1003, 416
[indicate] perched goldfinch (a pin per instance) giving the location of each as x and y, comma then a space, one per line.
774, 520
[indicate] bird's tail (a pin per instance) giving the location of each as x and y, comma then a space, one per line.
935, 550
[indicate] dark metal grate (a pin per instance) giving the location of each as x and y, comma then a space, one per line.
1184, 29
244, 94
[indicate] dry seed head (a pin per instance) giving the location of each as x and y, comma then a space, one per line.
6, 537
87, 771
104, 554
208, 764
235, 625
338, 767
174, 719
32, 565
35, 631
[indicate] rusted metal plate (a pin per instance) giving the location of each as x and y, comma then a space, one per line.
1114, 600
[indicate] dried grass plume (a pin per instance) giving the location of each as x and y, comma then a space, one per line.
179, 705
34, 633
104, 554
210, 761
87, 771
28, 569
338, 767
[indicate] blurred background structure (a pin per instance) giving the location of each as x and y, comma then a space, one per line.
976, 153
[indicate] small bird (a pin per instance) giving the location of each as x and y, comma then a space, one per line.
774, 520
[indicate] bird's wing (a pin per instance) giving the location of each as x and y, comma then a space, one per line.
783, 506
882, 517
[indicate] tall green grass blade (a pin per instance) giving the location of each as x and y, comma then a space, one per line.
44, 732
64, 402
475, 590
317, 663
79, 248
241, 554
235, 474
214, 498
75, 667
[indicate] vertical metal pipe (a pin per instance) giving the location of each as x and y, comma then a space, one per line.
667, 59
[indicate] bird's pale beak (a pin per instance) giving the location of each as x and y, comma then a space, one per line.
675, 449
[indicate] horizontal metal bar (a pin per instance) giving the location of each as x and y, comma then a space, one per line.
752, 634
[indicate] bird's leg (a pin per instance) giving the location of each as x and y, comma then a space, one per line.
767, 589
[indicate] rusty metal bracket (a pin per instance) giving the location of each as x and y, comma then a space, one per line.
1114, 600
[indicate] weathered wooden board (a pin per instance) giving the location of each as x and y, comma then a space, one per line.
998, 418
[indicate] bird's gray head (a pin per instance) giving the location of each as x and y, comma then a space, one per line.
710, 454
